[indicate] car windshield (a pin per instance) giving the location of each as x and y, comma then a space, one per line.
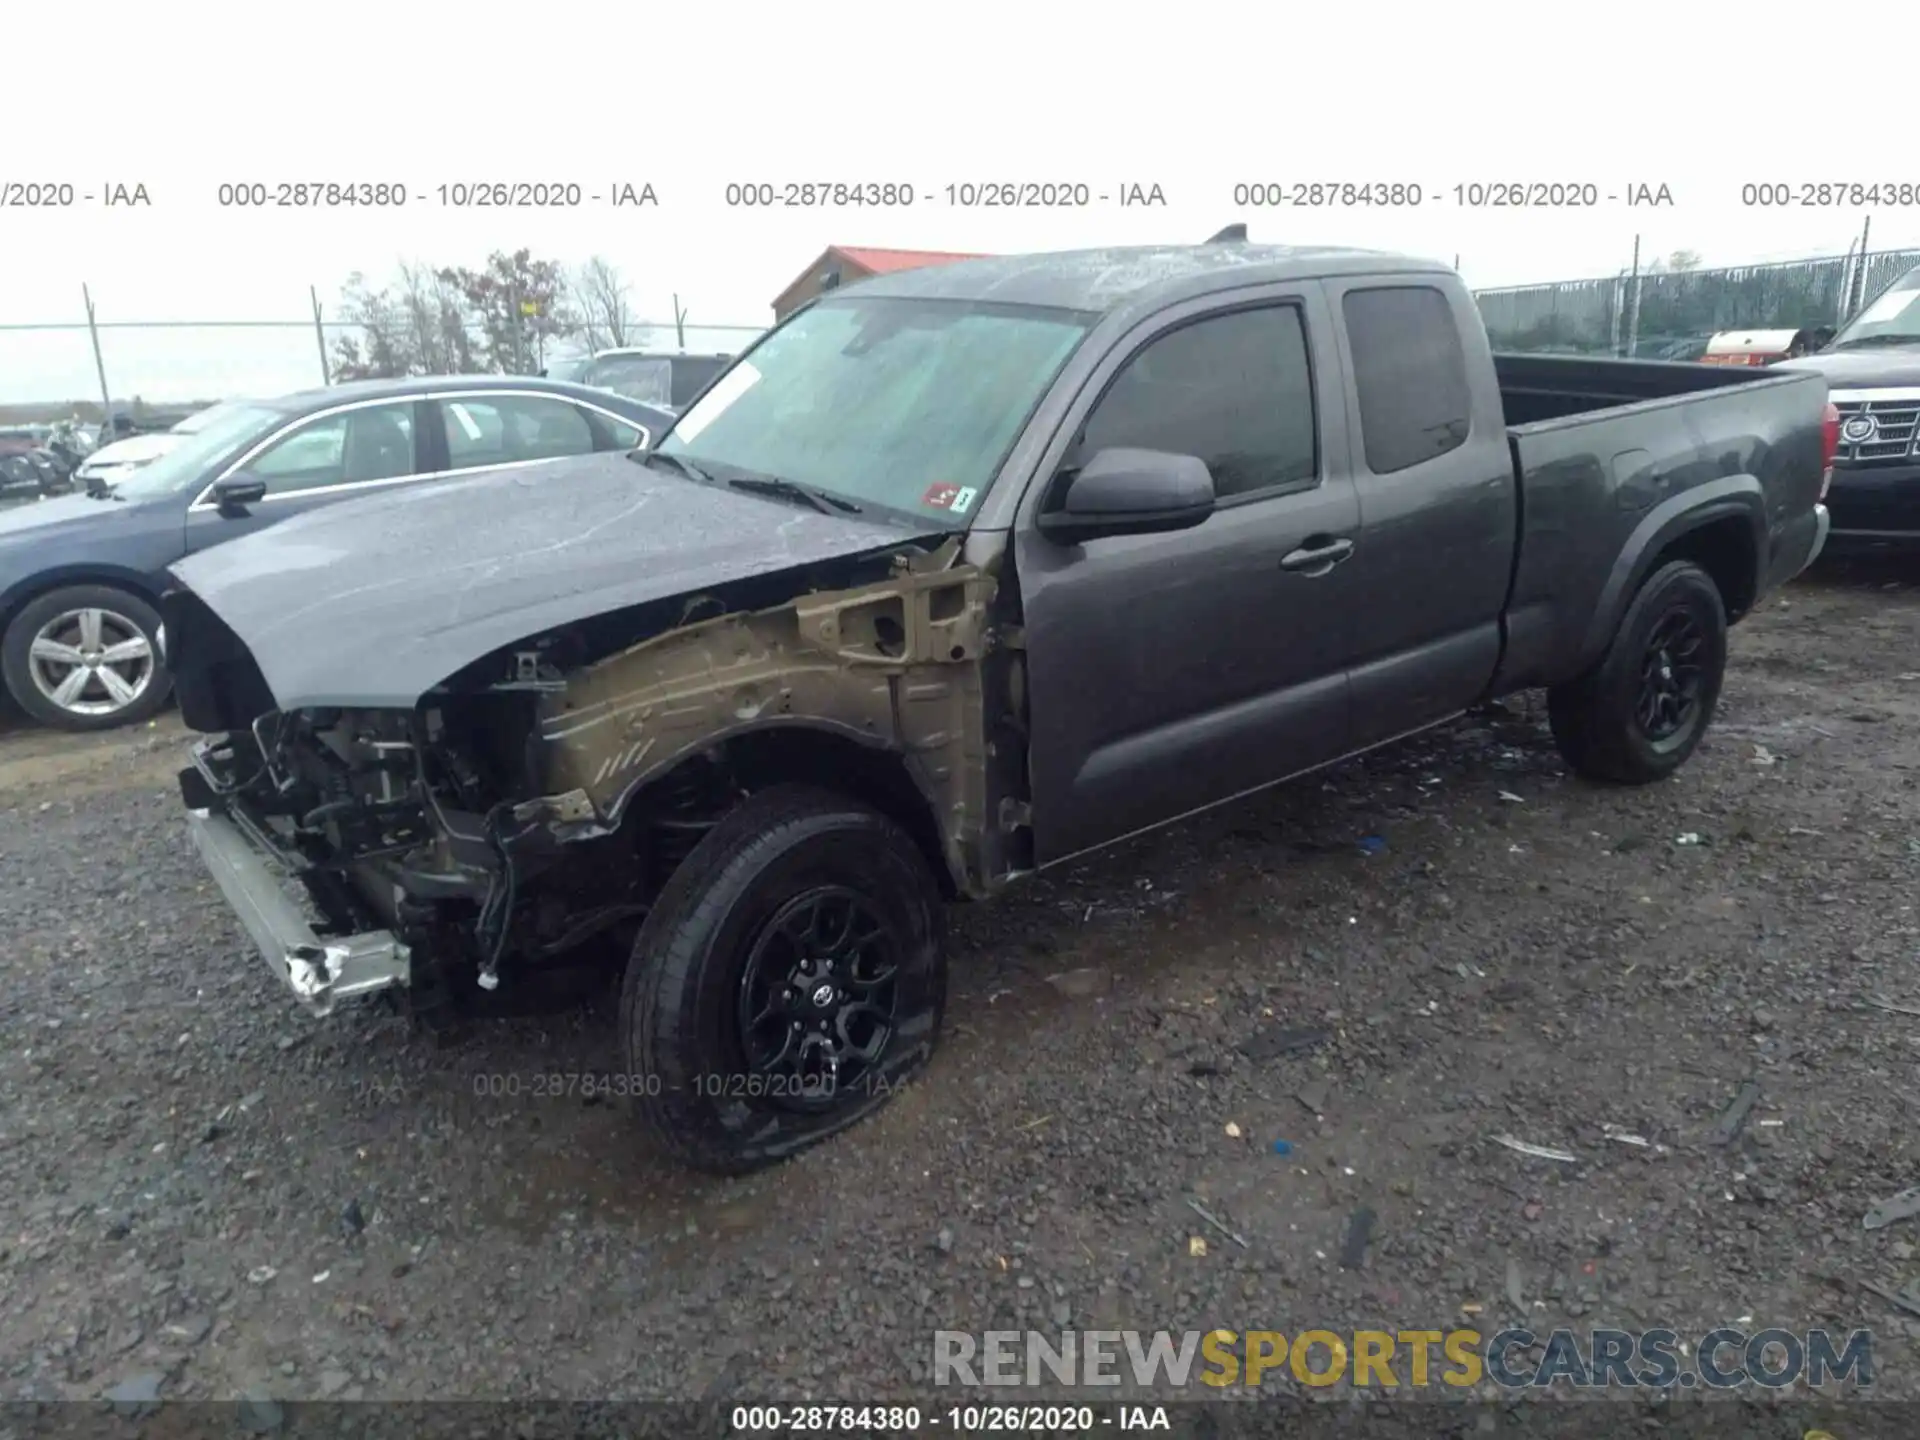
200, 419
186, 463
646, 378
1893, 319
909, 405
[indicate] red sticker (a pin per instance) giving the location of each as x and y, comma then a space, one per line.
940, 495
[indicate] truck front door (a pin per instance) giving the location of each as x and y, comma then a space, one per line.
1169, 672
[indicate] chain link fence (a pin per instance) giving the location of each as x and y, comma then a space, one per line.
1670, 314
1655, 314
50, 370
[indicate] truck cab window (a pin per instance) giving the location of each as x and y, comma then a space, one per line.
1411, 375
1235, 390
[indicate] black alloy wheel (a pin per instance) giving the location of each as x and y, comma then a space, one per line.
789, 980
1642, 709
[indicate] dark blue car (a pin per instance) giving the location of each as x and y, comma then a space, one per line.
81, 646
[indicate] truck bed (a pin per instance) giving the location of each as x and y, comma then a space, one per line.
1606, 453
1536, 388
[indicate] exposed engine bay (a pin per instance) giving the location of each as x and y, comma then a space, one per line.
538, 801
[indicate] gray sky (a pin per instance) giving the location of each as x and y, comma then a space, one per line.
604, 94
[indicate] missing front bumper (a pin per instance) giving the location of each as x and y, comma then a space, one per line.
320, 971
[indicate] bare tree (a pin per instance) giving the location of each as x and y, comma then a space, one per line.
600, 303
440, 320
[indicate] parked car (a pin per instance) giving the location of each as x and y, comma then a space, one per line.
952, 577
1872, 366
20, 478
572, 368
670, 380
18, 439
115, 460
1763, 347
80, 575
38, 461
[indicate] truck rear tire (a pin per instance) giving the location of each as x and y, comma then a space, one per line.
1641, 711
790, 979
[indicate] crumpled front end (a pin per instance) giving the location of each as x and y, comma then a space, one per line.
538, 800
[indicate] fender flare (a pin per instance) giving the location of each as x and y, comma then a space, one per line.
1737, 496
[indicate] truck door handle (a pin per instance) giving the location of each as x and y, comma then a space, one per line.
1318, 555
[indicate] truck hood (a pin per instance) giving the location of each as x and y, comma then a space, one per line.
371, 603
1862, 369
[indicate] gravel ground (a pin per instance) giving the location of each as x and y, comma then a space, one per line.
199, 1184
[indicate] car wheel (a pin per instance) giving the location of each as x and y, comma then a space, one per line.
790, 980
1640, 713
86, 657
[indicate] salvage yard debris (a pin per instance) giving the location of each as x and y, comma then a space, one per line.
1903, 1206
1217, 1223
1734, 1118
1538, 1152
1353, 1252
1272, 1041
1626, 1137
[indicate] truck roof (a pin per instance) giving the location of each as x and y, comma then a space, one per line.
1099, 281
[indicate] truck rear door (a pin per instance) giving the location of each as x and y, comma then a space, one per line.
1438, 499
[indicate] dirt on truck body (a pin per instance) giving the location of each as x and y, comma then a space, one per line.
955, 575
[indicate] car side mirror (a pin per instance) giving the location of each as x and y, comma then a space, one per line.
1131, 492
235, 493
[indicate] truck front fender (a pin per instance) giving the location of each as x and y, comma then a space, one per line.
1731, 502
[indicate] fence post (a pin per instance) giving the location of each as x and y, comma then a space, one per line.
320, 335
99, 364
1616, 303
679, 326
1844, 288
1860, 275
1633, 303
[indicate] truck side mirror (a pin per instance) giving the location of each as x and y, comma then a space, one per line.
1130, 492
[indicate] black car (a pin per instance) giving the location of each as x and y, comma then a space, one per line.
80, 574
1873, 379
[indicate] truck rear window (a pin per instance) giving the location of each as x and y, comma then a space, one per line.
1410, 372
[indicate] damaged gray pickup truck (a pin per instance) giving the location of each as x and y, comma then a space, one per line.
955, 575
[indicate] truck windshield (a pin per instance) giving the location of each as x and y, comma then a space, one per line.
1893, 319
907, 405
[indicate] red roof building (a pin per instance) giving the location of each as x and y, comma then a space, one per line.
839, 265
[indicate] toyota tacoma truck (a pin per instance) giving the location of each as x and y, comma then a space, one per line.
956, 575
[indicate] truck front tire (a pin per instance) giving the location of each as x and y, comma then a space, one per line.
789, 980
1641, 711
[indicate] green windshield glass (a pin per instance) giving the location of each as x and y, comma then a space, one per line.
907, 405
